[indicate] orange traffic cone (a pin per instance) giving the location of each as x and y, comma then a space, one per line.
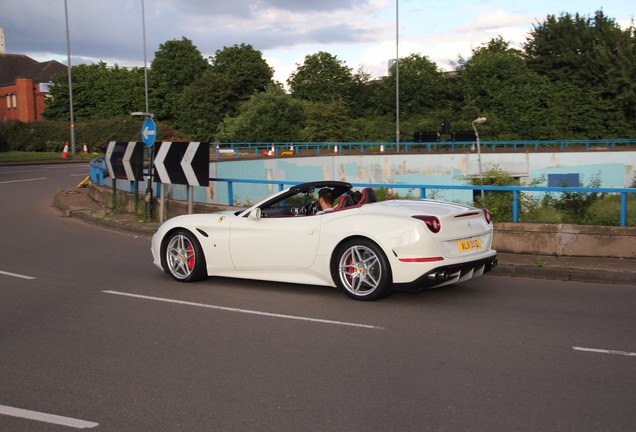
85, 147
382, 148
335, 148
65, 151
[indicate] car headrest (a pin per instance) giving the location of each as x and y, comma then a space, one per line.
345, 201
368, 196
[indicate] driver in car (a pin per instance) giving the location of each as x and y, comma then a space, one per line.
325, 200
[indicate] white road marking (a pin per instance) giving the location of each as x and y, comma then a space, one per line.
245, 311
62, 166
604, 351
24, 180
46, 418
20, 172
16, 275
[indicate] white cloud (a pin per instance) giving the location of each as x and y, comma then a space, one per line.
360, 32
495, 20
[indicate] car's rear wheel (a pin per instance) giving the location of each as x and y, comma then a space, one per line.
182, 257
361, 270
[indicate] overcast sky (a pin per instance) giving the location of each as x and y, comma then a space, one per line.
359, 32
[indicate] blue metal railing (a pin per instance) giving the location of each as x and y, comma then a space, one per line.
98, 170
422, 191
293, 148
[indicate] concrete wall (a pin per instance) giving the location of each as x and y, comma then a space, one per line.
565, 240
125, 201
613, 169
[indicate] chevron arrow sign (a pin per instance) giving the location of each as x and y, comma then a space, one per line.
186, 163
125, 160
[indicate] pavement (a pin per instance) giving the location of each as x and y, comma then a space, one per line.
76, 203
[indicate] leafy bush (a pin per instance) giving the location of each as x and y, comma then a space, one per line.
500, 202
606, 211
581, 208
50, 135
541, 214
575, 206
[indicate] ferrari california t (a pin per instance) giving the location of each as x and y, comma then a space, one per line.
365, 247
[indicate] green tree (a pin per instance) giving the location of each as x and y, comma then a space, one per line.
322, 77
497, 83
367, 97
176, 65
329, 121
246, 66
202, 106
593, 54
375, 128
236, 73
267, 117
99, 92
423, 88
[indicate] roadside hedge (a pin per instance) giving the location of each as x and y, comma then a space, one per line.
50, 135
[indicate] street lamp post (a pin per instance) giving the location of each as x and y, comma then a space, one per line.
479, 120
397, 75
143, 30
150, 210
148, 115
70, 84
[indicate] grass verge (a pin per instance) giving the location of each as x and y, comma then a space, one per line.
19, 156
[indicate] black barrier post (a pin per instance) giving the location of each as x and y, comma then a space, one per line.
136, 198
114, 194
148, 135
149, 198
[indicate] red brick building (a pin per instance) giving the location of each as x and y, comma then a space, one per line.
24, 84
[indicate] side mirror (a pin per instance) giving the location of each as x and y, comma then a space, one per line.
255, 215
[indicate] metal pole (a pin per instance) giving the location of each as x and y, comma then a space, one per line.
150, 209
397, 76
162, 204
143, 27
481, 177
70, 84
190, 198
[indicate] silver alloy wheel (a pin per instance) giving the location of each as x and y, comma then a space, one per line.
180, 256
360, 270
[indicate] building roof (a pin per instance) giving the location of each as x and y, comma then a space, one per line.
14, 66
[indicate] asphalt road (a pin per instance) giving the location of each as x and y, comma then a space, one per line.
93, 336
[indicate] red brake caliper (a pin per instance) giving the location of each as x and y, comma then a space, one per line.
190, 257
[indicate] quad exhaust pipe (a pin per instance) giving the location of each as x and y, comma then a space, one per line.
443, 275
439, 276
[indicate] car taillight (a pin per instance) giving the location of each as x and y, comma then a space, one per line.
487, 215
431, 222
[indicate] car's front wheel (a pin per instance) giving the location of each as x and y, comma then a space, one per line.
361, 269
182, 257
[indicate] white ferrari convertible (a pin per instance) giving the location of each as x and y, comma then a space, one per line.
363, 246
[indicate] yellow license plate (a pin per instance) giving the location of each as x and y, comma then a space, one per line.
469, 244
